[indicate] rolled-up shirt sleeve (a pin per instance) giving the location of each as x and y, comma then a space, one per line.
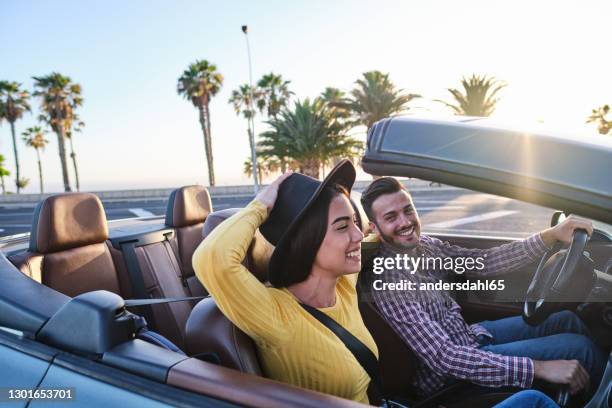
429, 341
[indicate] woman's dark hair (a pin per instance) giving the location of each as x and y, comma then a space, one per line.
308, 237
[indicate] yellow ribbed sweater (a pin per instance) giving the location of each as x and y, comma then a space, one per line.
294, 347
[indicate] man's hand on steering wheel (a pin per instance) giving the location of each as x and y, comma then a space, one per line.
564, 231
562, 274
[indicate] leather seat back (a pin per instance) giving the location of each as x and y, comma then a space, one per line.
68, 250
208, 330
397, 378
187, 210
162, 278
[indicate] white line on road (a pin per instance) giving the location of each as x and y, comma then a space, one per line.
418, 201
140, 212
468, 220
442, 208
479, 232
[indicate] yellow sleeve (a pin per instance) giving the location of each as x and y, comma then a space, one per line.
244, 300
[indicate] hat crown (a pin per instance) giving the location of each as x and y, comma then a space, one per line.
293, 196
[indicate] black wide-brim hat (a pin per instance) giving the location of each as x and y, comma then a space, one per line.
296, 195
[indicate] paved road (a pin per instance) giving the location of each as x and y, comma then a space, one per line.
441, 210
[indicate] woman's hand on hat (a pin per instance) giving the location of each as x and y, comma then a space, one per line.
268, 195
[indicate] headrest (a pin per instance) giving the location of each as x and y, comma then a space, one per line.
259, 252
187, 206
69, 220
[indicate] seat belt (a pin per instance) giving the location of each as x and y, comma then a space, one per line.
128, 248
362, 353
127, 245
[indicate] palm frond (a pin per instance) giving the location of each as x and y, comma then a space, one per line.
477, 98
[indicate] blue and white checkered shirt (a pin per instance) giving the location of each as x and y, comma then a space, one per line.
445, 345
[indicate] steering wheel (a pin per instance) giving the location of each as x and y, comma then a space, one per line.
557, 273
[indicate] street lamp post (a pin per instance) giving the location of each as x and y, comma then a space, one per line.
254, 168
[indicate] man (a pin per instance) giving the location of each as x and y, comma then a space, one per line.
500, 353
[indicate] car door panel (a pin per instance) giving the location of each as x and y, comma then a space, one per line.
20, 371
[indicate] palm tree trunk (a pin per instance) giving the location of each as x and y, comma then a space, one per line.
40, 176
210, 146
3, 186
16, 156
251, 140
61, 141
74, 163
207, 148
311, 168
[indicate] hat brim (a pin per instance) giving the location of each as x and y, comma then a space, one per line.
343, 174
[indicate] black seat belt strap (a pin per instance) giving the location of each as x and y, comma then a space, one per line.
362, 353
127, 245
139, 289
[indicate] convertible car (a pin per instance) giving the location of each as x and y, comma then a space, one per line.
83, 301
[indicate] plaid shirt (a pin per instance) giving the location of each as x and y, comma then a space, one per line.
432, 325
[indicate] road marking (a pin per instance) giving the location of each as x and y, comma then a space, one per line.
468, 220
141, 212
479, 232
419, 201
442, 208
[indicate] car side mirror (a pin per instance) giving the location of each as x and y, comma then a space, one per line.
557, 217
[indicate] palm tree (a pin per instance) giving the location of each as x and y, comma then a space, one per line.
77, 127
599, 116
274, 94
14, 102
310, 135
23, 182
241, 100
265, 166
375, 97
478, 96
3, 173
335, 98
35, 137
199, 83
59, 99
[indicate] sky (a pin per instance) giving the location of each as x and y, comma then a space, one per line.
127, 55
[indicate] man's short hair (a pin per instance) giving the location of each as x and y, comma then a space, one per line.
381, 186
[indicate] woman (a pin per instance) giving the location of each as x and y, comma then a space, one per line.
315, 262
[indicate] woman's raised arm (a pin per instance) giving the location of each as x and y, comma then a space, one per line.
218, 265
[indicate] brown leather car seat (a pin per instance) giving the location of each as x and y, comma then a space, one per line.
208, 330
68, 250
397, 361
187, 210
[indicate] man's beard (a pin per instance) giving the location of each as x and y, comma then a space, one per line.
388, 240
